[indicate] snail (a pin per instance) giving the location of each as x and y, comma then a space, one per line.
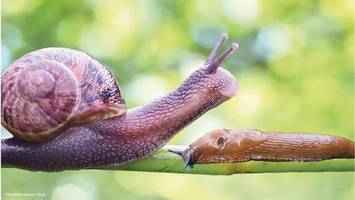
222, 146
66, 111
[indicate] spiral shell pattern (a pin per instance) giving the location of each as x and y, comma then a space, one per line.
49, 90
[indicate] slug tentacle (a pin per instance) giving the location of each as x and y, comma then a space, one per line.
222, 146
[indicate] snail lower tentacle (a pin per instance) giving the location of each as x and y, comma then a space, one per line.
223, 146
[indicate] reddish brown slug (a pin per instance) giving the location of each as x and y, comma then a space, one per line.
66, 110
222, 146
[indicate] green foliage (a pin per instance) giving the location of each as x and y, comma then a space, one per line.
294, 69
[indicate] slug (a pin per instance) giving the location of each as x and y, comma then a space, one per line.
232, 146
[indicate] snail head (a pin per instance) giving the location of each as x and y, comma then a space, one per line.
212, 79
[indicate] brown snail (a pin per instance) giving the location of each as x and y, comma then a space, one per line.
66, 110
222, 146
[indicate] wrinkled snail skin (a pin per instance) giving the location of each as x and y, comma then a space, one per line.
134, 135
222, 146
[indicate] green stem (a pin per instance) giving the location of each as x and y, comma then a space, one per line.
164, 161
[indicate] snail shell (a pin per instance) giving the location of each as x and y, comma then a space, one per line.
49, 90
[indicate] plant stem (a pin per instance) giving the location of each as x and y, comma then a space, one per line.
164, 161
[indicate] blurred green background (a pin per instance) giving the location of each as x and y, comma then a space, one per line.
294, 67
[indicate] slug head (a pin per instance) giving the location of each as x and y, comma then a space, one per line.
212, 82
221, 146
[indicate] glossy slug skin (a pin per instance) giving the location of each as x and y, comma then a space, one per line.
221, 146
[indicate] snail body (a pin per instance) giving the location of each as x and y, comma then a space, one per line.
66, 110
222, 146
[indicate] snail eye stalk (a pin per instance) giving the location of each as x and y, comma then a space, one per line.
212, 61
216, 48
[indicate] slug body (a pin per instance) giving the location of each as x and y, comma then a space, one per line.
128, 135
222, 146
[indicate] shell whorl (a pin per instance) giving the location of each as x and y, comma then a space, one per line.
49, 90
